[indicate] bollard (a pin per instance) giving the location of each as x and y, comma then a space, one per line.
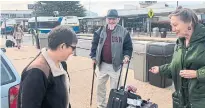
132, 31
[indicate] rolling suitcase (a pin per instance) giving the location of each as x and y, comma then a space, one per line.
118, 97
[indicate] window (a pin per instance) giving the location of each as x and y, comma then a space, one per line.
203, 16
12, 15
31, 25
5, 15
19, 15
7, 75
50, 24
27, 15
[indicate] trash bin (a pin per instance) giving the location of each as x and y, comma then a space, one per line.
155, 31
139, 60
163, 32
43, 39
159, 53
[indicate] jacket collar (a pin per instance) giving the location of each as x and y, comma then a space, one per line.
198, 36
55, 70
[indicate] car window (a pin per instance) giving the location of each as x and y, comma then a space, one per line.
7, 75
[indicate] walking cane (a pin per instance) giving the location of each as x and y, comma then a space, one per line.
91, 97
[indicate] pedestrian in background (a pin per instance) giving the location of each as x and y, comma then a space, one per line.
33, 34
18, 36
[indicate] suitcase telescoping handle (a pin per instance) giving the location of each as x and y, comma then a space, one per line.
125, 74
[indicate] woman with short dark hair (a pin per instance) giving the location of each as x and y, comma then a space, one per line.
45, 81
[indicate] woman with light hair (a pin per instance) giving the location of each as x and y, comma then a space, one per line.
18, 35
187, 68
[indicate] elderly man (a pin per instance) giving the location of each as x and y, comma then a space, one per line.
111, 46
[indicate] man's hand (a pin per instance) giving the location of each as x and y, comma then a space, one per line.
131, 88
94, 66
126, 59
188, 74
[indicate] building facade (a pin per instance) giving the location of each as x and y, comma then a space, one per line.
16, 14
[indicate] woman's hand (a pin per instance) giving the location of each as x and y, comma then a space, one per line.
188, 74
154, 69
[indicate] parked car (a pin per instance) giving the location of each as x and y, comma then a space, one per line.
10, 80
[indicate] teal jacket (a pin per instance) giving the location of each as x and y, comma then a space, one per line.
190, 93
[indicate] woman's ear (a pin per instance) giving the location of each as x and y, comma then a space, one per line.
61, 46
190, 26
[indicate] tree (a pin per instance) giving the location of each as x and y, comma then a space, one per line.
65, 8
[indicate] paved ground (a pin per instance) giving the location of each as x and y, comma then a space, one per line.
80, 70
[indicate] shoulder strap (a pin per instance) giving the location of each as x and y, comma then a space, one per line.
46, 69
25, 69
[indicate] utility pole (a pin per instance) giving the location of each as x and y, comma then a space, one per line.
89, 8
150, 27
5, 28
36, 28
177, 3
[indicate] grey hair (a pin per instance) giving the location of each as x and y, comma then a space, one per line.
186, 15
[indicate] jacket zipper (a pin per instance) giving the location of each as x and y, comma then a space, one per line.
180, 78
185, 50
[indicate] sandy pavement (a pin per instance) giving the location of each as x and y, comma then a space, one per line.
80, 70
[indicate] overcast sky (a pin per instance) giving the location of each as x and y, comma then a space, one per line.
99, 7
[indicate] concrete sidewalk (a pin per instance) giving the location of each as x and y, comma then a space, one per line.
156, 39
137, 34
80, 70
169, 38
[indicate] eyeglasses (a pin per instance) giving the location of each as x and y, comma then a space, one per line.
73, 47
